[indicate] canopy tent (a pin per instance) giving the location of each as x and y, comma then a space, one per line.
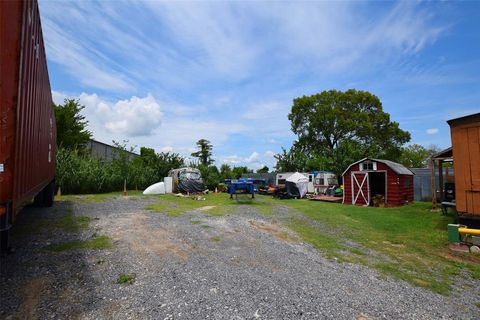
297, 185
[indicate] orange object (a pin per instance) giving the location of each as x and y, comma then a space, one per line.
465, 134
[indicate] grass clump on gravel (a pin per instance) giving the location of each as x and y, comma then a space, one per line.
97, 242
215, 239
409, 242
126, 278
195, 221
67, 221
218, 204
96, 197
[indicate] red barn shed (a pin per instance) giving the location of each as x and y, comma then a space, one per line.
369, 178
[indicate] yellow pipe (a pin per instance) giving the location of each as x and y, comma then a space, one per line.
474, 232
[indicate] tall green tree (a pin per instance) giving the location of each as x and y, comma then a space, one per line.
238, 171
204, 154
416, 156
72, 130
225, 171
264, 169
335, 128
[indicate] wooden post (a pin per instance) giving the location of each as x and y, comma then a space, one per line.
125, 187
432, 179
440, 179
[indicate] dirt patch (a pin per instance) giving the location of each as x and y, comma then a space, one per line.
461, 256
275, 230
206, 208
144, 239
32, 293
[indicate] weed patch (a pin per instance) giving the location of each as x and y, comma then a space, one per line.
215, 239
126, 278
97, 242
410, 241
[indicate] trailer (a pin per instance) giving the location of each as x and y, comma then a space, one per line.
27, 126
242, 186
324, 180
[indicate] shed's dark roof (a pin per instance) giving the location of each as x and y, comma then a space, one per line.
397, 167
444, 154
470, 116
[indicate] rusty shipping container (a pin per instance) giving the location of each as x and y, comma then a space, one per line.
465, 133
27, 124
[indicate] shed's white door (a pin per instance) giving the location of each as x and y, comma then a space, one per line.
360, 192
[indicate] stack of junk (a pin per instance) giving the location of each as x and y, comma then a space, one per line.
296, 187
463, 239
184, 180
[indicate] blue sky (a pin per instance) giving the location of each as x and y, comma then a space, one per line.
165, 74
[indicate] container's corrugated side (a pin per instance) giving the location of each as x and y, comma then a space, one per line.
11, 13
36, 132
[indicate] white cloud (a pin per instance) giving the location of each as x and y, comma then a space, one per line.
432, 131
273, 141
233, 159
117, 120
269, 154
253, 157
134, 117
166, 149
129, 118
81, 61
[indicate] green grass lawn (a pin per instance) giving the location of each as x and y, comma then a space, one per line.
409, 242
214, 204
99, 197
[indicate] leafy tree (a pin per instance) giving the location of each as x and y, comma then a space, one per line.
225, 171
204, 153
263, 170
238, 171
210, 176
71, 125
291, 160
335, 128
416, 156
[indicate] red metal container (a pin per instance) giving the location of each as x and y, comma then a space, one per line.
27, 121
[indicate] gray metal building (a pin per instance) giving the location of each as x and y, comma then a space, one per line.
269, 177
422, 184
105, 151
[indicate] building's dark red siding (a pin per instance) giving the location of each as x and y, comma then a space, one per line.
399, 187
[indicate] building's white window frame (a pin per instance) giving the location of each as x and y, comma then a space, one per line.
368, 162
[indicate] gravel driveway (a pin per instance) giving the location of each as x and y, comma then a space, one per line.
238, 266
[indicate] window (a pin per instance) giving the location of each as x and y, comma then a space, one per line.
368, 165
310, 178
281, 181
332, 181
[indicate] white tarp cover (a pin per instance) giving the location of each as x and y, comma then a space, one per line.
157, 188
300, 181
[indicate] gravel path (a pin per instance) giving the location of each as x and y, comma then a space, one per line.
239, 266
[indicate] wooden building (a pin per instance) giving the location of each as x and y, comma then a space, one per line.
465, 133
369, 179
